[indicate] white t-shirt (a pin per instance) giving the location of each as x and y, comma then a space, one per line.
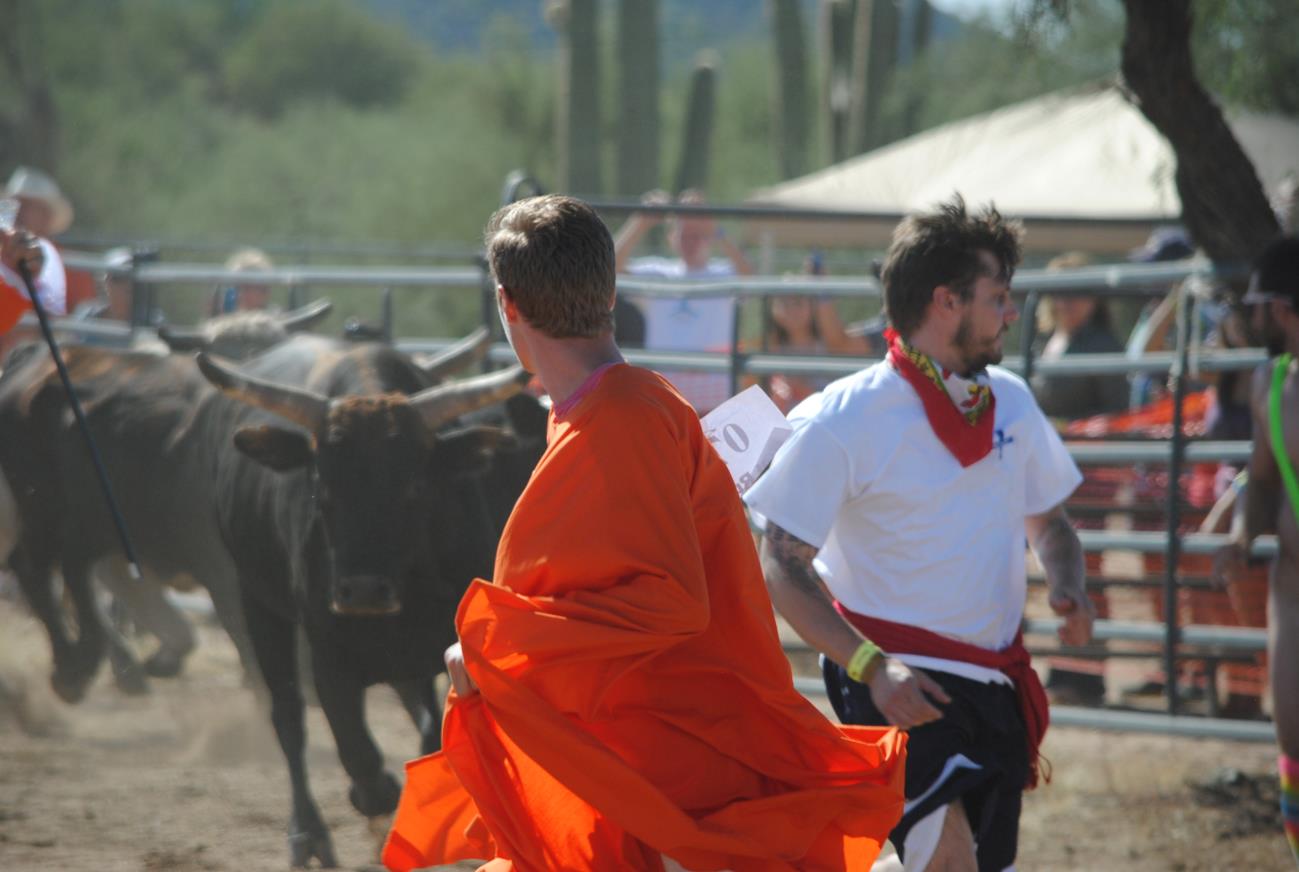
689, 324
51, 284
905, 532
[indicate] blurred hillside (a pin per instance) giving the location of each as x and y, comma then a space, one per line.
326, 122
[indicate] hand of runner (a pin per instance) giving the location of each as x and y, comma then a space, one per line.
904, 695
461, 682
1078, 613
1228, 562
16, 246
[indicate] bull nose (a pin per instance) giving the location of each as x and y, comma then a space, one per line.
365, 595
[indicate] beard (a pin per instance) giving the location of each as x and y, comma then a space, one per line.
976, 355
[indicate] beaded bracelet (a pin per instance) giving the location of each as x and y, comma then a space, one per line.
861, 667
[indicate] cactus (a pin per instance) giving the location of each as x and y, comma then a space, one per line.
875, 51
578, 115
836, 74
790, 111
692, 170
921, 24
638, 96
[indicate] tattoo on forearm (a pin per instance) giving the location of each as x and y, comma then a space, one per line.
1061, 554
788, 557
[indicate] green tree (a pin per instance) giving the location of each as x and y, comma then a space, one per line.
304, 49
1247, 52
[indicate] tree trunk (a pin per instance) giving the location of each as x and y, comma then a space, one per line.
638, 96
789, 95
1224, 206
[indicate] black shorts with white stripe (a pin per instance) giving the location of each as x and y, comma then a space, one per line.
977, 752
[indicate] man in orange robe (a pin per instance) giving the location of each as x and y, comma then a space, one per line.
620, 696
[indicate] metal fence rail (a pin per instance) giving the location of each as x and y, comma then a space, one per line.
1193, 279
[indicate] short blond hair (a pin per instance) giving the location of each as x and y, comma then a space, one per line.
249, 260
554, 257
1059, 263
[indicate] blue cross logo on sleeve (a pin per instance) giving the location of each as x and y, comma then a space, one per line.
1001, 440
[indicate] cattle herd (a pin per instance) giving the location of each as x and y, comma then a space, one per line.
337, 493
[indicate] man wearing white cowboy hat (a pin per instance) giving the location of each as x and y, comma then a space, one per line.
42, 212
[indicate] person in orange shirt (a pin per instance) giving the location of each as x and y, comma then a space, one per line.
620, 696
17, 246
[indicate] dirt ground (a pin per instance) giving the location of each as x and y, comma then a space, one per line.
190, 779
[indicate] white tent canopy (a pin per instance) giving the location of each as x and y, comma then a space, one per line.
1083, 167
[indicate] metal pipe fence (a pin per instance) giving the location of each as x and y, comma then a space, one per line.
1191, 280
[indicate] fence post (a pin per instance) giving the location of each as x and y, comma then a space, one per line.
737, 358
385, 301
1027, 333
1177, 451
487, 297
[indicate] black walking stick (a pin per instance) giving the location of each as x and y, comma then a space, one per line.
98, 461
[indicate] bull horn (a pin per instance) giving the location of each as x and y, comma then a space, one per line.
182, 338
303, 317
444, 403
454, 358
305, 408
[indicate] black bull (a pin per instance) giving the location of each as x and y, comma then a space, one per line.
142, 407
362, 521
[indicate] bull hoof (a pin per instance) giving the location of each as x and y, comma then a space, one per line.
380, 799
70, 690
304, 846
164, 664
131, 681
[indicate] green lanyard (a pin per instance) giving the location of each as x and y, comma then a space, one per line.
1277, 431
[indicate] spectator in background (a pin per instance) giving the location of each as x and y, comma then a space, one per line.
43, 212
244, 296
685, 323
1152, 331
17, 247
1077, 325
1206, 486
802, 324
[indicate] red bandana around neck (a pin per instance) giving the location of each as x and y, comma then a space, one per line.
967, 430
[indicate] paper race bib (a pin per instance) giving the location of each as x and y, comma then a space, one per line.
746, 430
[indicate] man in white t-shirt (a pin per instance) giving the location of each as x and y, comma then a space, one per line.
896, 518
681, 323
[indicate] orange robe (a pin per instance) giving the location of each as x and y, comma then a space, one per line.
635, 700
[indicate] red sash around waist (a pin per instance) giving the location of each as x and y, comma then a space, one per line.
1012, 661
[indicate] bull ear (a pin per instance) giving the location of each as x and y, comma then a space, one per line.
469, 450
274, 447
